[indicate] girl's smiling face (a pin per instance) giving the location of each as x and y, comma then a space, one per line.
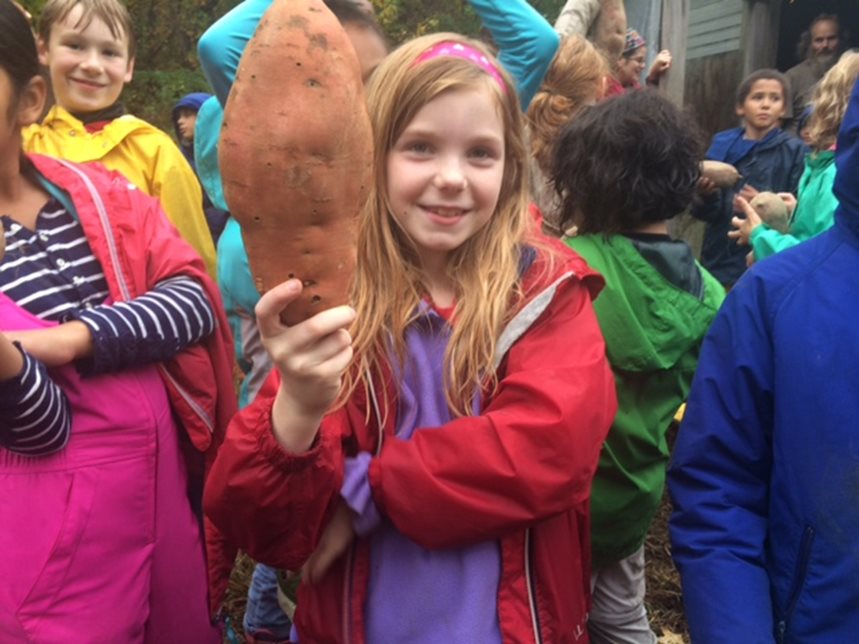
444, 172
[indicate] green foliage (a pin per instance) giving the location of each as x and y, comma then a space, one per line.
152, 95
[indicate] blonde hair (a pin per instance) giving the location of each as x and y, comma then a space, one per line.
389, 282
830, 101
113, 12
575, 79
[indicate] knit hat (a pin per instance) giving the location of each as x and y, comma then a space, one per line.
633, 41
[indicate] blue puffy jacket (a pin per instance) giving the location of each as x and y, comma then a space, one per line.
765, 472
775, 164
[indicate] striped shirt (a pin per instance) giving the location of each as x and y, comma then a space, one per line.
52, 273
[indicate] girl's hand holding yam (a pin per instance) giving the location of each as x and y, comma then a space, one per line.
311, 357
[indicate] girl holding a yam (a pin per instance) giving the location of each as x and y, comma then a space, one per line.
110, 332
425, 455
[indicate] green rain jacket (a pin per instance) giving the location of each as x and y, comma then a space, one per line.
653, 332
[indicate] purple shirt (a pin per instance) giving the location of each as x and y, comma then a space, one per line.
417, 595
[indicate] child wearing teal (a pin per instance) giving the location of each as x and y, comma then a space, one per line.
656, 307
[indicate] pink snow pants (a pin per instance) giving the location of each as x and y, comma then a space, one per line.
98, 543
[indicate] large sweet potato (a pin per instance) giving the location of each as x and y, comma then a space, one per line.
296, 153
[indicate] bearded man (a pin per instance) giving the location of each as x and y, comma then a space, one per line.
820, 47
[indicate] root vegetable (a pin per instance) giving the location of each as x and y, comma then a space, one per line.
724, 175
296, 153
2, 241
773, 210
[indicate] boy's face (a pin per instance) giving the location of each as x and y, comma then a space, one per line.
763, 108
88, 66
186, 119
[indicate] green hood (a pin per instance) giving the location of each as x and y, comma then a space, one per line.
649, 323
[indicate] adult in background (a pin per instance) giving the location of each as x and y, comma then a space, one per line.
819, 47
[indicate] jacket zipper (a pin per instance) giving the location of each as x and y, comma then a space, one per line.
123, 286
798, 580
530, 580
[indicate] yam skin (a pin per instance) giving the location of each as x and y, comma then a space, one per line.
772, 210
296, 154
2, 241
724, 175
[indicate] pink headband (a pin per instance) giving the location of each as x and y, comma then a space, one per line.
466, 52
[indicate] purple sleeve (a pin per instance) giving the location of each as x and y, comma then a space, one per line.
358, 495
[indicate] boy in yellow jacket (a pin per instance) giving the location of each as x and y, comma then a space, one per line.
88, 47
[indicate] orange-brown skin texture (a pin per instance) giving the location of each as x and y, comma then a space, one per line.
296, 154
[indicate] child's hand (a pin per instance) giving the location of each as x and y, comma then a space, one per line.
311, 358
661, 64
56, 346
338, 536
744, 226
706, 186
748, 193
11, 360
789, 201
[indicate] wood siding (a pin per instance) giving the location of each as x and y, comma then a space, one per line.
715, 27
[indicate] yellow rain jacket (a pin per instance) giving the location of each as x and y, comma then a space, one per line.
144, 154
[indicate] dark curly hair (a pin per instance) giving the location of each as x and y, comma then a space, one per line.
628, 161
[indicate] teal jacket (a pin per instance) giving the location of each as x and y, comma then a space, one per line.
815, 208
653, 331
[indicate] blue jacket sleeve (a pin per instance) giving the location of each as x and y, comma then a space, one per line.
719, 477
222, 45
526, 42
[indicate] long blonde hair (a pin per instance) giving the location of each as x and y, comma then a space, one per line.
575, 79
830, 101
389, 282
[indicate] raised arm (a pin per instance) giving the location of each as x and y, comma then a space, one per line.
526, 42
222, 45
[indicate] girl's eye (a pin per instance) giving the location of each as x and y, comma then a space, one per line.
110, 52
420, 147
483, 154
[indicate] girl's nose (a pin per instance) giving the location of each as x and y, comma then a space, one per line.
450, 175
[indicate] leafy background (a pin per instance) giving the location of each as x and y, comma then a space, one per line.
167, 32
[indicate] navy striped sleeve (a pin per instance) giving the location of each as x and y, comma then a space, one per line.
151, 328
35, 417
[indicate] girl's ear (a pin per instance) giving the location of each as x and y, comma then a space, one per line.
31, 101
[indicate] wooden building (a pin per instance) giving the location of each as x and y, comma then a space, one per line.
728, 39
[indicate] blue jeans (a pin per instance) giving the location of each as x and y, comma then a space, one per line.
264, 618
